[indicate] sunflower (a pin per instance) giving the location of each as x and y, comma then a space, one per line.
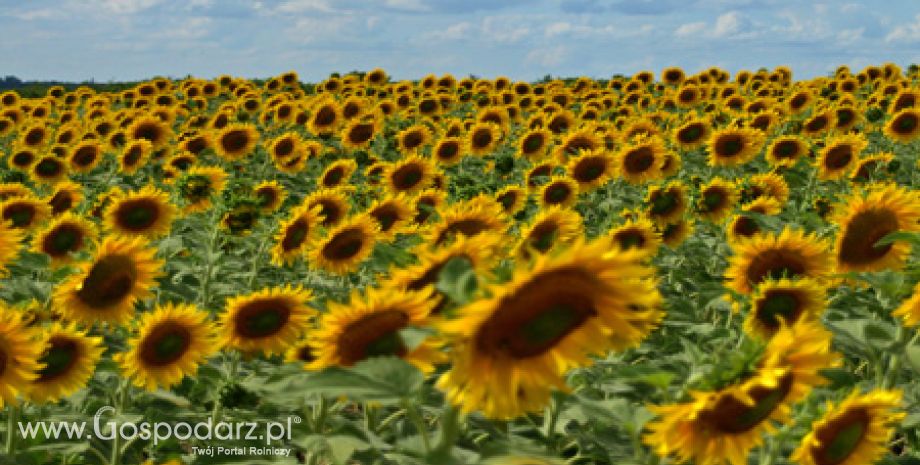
49, 169
146, 212
10, 239
591, 169
22, 158
24, 212
68, 358
409, 175
392, 214
171, 342
533, 144
359, 133
551, 228
818, 124
19, 354
369, 325
745, 225
666, 204
482, 138
786, 150
9, 190
295, 234
449, 150
65, 236
904, 126
512, 198
721, 426
285, 147
582, 139
872, 166
771, 185
85, 156
134, 155
269, 320
783, 301
800, 101
198, 185
513, 347
270, 195
325, 117
337, 173
641, 160
734, 146
333, 205
855, 432
235, 141
791, 254
909, 310
717, 198
636, 234
426, 203
839, 155
151, 129
108, 286
559, 191
468, 218
692, 134
197, 143
34, 137
410, 141
674, 234
866, 217
346, 245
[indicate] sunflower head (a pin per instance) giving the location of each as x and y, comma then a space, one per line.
236, 141
146, 212
68, 358
776, 303
65, 236
19, 356
641, 160
346, 245
734, 146
269, 320
791, 254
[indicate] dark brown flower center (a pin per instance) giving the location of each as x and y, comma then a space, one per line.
137, 215
64, 239
165, 344
731, 416
59, 358
840, 438
109, 282
344, 245
262, 318
373, 335
862, 232
775, 264
639, 159
235, 140
295, 235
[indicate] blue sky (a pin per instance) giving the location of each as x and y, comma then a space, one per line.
135, 39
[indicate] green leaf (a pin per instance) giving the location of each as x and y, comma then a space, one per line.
343, 447
457, 280
912, 353
907, 236
381, 379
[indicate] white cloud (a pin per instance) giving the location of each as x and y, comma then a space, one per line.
453, 32
549, 57
39, 14
310, 30
727, 24
498, 29
125, 7
848, 36
905, 32
690, 29
561, 28
409, 5
300, 6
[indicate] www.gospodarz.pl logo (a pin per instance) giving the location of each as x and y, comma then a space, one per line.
107, 430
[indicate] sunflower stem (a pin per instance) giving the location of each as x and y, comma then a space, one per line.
319, 420
11, 418
254, 268
204, 292
450, 431
415, 416
894, 363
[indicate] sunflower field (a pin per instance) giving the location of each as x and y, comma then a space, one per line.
644, 270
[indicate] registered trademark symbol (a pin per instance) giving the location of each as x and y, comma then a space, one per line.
296, 419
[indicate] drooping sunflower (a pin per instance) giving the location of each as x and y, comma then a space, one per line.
866, 217
151, 129
591, 169
872, 167
839, 155
170, 343
512, 198
64, 236
692, 134
325, 117
559, 191
49, 169
68, 358
717, 198
674, 234
369, 325
427, 204
236, 141
198, 185
786, 150
24, 212
333, 205
346, 245
270, 195
575, 141
269, 320
469, 218
295, 234
772, 185
19, 353
134, 155
909, 310
449, 150
409, 175
904, 126
734, 146
107, 287
551, 228
666, 204
791, 254
482, 138
855, 432
818, 124
636, 234
338, 173
783, 301
392, 214
744, 225
85, 156
510, 350
146, 212
641, 160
